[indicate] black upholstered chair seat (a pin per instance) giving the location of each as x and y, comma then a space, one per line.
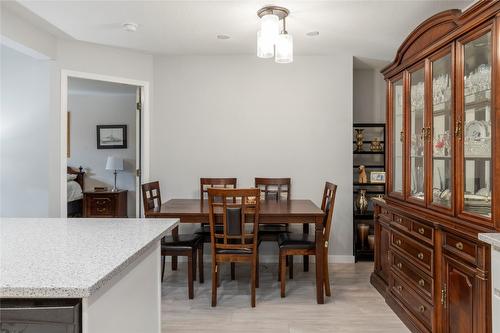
296, 241
234, 251
188, 241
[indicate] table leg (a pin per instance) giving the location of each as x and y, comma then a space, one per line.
175, 235
305, 229
320, 296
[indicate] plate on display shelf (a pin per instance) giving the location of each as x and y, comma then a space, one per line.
476, 130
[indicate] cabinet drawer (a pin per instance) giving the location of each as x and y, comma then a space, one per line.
415, 277
461, 247
415, 252
422, 231
401, 222
415, 304
102, 206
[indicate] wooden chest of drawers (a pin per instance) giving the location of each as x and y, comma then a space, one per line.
105, 204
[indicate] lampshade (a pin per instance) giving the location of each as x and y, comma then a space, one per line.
114, 163
270, 27
284, 49
265, 46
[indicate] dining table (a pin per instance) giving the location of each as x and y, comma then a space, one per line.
271, 212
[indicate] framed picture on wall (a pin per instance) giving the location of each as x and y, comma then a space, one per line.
111, 136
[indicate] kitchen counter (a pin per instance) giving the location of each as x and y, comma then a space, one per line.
103, 268
60, 258
494, 240
491, 238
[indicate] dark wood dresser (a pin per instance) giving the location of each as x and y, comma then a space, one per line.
443, 173
105, 204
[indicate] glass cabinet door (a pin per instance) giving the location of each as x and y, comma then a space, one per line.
474, 127
417, 134
397, 135
442, 98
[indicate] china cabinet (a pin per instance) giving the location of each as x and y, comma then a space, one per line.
443, 173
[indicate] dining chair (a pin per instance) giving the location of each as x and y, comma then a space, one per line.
188, 245
238, 210
204, 231
291, 244
277, 189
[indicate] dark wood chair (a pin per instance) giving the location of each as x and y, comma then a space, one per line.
204, 231
188, 245
302, 244
238, 239
277, 189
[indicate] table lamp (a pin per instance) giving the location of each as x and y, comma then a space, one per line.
116, 164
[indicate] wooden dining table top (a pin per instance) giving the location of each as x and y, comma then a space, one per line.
284, 208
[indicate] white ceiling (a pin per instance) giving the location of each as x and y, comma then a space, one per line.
366, 29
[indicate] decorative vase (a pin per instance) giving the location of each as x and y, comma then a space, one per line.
376, 145
361, 202
371, 242
359, 139
363, 234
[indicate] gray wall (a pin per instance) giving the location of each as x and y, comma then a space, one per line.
240, 116
94, 103
24, 129
368, 96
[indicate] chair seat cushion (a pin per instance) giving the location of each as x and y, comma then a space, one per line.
184, 240
296, 241
234, 251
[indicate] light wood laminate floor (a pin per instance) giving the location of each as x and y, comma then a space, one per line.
355, 306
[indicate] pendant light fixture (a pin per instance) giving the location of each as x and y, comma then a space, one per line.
273, 40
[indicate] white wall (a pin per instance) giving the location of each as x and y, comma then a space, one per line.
240, 116
24, 130
94, 103
368, 96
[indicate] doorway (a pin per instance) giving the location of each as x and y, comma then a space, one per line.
104, 138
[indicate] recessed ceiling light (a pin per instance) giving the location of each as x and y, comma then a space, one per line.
312, 33
130, 26
223, 37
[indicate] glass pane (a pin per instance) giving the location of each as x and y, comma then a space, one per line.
477, 126
397, 119
441, 125
417, 102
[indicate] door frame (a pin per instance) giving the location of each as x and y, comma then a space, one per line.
145, 131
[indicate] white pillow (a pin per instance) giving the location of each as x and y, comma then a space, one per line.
71, 177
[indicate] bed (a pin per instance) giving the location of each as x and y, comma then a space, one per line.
75, 191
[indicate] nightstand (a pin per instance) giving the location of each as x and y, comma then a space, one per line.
105, 204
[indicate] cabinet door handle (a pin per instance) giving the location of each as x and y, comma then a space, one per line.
421, 308
420, 256
421, 230
421, 282
401, 136
400, 265
398, 242
459, 246
458, 130
429, 133
399, 288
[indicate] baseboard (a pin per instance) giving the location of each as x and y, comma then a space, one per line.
271, 259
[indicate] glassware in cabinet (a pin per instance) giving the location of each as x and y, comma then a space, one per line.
397, 135
417, 134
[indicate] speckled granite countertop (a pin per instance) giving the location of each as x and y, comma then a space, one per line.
492, 239
57, 258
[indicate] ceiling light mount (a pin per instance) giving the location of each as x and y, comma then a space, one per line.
281, 12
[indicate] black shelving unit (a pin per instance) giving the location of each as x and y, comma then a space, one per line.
373, 161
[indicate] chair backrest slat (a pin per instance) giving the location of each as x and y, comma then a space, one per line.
206, 183
274, 188
238, 210
151, 196
327, 205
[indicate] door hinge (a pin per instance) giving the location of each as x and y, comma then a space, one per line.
444, 295
138, 172
139, 106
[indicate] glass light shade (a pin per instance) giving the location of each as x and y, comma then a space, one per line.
270, 27
284, 49
265, 46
